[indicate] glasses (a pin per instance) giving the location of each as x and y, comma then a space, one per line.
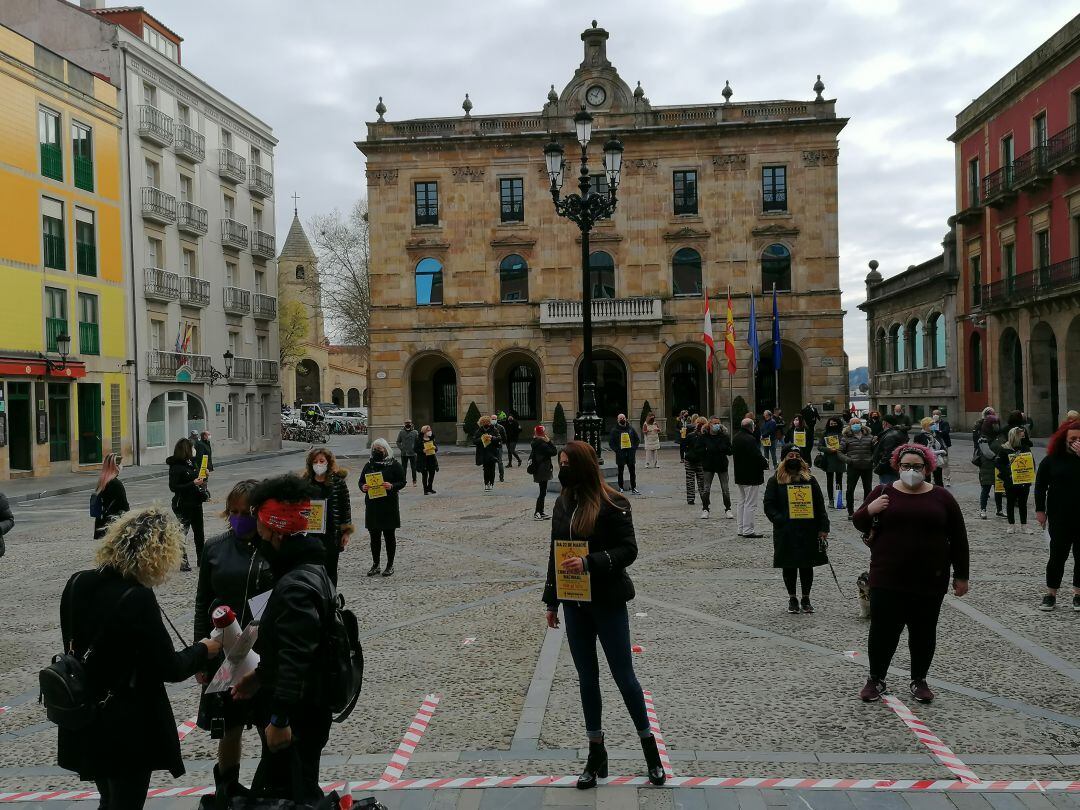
909, 467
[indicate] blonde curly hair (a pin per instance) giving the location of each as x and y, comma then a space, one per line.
145, 546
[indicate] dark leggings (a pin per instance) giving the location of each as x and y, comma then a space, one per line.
1063, 541
376, 545
331, 551
123, 792
489, 471
610, 624
1016, 498
541, 497
279, 771
428, 476
806, 575
853, 477
829, 476
890, 612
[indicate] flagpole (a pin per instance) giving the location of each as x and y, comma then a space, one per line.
753, 360
730, 376
708, 368
776, 371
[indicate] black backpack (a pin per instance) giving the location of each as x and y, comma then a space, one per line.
344, 675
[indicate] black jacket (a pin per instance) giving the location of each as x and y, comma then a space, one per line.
541, 453
789, 438
750, 464
292, 631
134, 658
945, 432
623, 455
335, 491
795, 542
513, 430
424, 462
491, 452
810, 417
716, 448
186, 494
834, 463
883, 450
857, 449
1056, 484
7, 521
114, 503
612, 549
695, 448
202, 448
231, 573
383, 513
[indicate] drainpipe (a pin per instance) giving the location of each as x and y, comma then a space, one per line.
136, 445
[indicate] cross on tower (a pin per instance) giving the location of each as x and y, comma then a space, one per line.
295, 197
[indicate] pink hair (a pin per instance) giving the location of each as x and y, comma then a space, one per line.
109, 470
1058, 444
930, 459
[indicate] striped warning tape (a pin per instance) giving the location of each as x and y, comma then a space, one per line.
4, 710
941, 752
654, 724
186, 728
400, 758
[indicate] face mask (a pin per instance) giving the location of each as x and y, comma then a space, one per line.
622, 422
715, 428
427, 435
378, 454
793, 465
936, 418
912, 478
856, 428
242, 525
320, 469
566, 478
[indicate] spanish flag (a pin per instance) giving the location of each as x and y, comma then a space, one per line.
729, 338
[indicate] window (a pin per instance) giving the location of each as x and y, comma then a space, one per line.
598, 184
976, 375
228, 205
976, 281
1007, 154
88, 324
262, 347
155, 256
686, 272
774, 188
523, 391
149, 94
194, 337
52, 158
881, 345
159, 42
1038, 130
512, 199
685, 189
602, 275
52, 234
55, 317
157, 334
444, 394
256, 156
231, 274
186, 190
776, 268
429, 282
256, 218
85, 243
226, 139
233, 343
427, 203
191, 267
936, 332
1042, 249
82, 153
896, 334
1008, 265
301, 273
513, 279
153, 173
183, 114
918, 346
260, 282
1076, 106
973, 181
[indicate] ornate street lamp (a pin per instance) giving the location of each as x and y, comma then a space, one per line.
216, 375
585, 209
63, 348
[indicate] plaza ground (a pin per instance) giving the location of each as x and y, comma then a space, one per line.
741, 688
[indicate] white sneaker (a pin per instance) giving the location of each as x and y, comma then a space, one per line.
982, 514
728, 515
1010, 530
704, 514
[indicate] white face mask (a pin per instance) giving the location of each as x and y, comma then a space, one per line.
320, 469
912, 478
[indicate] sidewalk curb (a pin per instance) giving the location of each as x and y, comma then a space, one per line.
89, 485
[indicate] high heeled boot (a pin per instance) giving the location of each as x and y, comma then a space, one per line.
595, 766
652, 760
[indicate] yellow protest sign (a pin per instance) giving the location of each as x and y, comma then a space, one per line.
571, 587
485, 438
999, 485
800, 502
624, 441
316, 521
429, 448
682, 433
203, 465
832, 441
1023, 468
376, 485
799, 437
766, 441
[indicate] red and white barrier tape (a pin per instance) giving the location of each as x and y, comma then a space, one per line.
941, 752
661, 746
186, 728
400, 758
4, 710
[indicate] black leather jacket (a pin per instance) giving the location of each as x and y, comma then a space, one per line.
232, 572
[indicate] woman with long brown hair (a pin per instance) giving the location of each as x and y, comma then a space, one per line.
109, 500
591, 513
321, 470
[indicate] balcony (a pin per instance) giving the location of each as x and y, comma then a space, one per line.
605, 311
261, 181
157, 206
192, 219
52, 161
160, 285
54, 327
189, 144
194, 292
243, 368
232, 166
998, 187
234, 234
236, 301
88, 338
166, 366
155, 126
1030, 168
85, 259
84, 173
262, 244
974, 209
1061, 278
266, 372
54, 251
264, 307
1063, 150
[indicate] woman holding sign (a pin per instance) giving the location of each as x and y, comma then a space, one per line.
799, 436
331, 511
832, 462
188, 485
488, 454
592, 545
796, 508
381, 480
1056, 486
1016, 469
427, 461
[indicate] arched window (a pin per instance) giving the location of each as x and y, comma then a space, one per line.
602, 275
338, 397
301, 273
354, 398
513, 279
899, 355
444, 395
366, 398
523, 391
775, 268
976, 375
429, 286
882, 351
686, 272
918, 345
935, 330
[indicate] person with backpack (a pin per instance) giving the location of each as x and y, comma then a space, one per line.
189, 494
109, 499
928, 437
542, 451
121, 729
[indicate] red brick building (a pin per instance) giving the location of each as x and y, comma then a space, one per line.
1018, 237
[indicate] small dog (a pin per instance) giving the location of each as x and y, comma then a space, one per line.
863, 585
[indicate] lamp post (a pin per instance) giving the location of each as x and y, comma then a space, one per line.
63, 348
216, 375
585, 209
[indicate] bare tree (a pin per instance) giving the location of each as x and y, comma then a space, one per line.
341, 240
293, 329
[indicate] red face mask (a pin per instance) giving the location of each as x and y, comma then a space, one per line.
285, 518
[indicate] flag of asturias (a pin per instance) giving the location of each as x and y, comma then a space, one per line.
707, 334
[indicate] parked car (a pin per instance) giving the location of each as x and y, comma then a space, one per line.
356, 417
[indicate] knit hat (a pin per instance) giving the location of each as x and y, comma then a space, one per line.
790, 448
539, 431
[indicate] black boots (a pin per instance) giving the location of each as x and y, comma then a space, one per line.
595, 766
652, 760
226, 787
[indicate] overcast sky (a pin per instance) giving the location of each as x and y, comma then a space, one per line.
900, 70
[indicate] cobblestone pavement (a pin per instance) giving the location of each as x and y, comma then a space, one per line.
741, 688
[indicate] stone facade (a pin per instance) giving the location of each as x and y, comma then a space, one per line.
502, 328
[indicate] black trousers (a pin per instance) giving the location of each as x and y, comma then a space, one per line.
831, 478
427, 475
853, 477
1062, 542
123, 793
890, 612
489, 471
1016, 498
406, 461
191, 517
806, 575
293, 772
541, 497
622, 464
332, 550
377, 536
511, 454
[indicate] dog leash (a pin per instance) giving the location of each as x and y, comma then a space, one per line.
837, 580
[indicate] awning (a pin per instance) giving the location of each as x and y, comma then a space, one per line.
30, 367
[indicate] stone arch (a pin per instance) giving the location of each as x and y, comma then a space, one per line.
353, 398
512, 388
916, 344
937, 339
620, 396
513, 279
684, 381
171, 416
433, 394
776, 261
792, 364
308, 381
897, 347
1010, 372
337, 396
881, 349
1045, 407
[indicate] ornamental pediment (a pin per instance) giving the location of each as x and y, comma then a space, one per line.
428, 243
776, 230
513, 241
685, 234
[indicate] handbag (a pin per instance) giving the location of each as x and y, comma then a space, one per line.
95, 504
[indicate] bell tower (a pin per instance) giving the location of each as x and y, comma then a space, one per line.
298, 278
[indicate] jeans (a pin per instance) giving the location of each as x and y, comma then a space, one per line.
1062, 541
585, 624
984, 497
278, 771
770, 453
890, 612
853, 477
123, 793
511, 454
805, 576
622, 464
406, 461
706, 492
502, 474
427, 476
748, 504
489, 471
1016, 498
541, 497
377, 536
694, 475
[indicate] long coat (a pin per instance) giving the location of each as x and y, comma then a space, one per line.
795, 542
749, 463
542, 451
383, 513
491, 451
114, 503
834, 463
424, 462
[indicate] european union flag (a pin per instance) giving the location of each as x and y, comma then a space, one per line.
751, 333
777, 352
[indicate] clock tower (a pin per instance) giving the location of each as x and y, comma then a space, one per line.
596, 83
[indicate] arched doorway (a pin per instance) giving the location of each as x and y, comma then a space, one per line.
337, 396
684, 384
433, 398
609, 374
308, 385
1011, 372
1072, 373
1045, 408
516, 387
354, 398
790, 381
171, 417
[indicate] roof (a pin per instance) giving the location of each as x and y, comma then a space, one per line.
296, 243
139, 9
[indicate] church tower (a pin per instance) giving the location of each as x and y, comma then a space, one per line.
298, 278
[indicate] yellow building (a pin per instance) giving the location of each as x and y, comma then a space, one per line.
63, 322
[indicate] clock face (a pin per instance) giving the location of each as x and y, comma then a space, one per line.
596, 95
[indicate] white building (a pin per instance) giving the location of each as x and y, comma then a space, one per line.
199, 180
